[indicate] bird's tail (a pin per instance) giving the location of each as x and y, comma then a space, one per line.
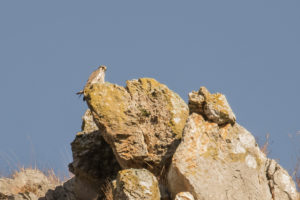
80, 93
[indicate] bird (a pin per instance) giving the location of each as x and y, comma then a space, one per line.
97, 76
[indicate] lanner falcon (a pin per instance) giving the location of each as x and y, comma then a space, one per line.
98, 76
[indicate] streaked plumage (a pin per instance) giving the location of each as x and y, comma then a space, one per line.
98, 76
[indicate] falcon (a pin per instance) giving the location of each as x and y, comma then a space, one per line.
98, 76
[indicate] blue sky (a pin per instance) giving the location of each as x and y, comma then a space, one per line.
247, 50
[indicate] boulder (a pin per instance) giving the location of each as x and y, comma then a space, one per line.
93, 159
143, 122
222, 162
136, 184
213, 107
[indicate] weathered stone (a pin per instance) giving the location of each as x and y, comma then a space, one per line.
143, 122
136, 184
196, 102
88, 125
214, 107
184, 196
93, 159
215, 162
281, 185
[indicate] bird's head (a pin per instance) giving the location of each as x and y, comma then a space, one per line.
103, 68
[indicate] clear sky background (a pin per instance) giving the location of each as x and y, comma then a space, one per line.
247, 50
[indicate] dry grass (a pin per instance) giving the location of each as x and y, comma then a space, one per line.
297, 175
265, 147
107, 189
20, 181
298, 184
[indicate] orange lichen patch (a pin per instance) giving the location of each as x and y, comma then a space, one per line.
190, 159
198, 119
224, 131
209, 126
218, 102
205, 140
216, 99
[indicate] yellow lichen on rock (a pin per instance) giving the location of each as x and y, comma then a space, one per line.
111, 100
136, 184
154, 90
141, 122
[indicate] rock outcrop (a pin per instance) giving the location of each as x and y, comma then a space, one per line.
143, 142
219, 159
143, 122
215, 162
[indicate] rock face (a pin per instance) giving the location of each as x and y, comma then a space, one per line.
142, 123
136, 184
219, 159
215, 162
93, 159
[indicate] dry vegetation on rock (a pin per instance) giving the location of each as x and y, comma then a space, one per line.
29, 180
